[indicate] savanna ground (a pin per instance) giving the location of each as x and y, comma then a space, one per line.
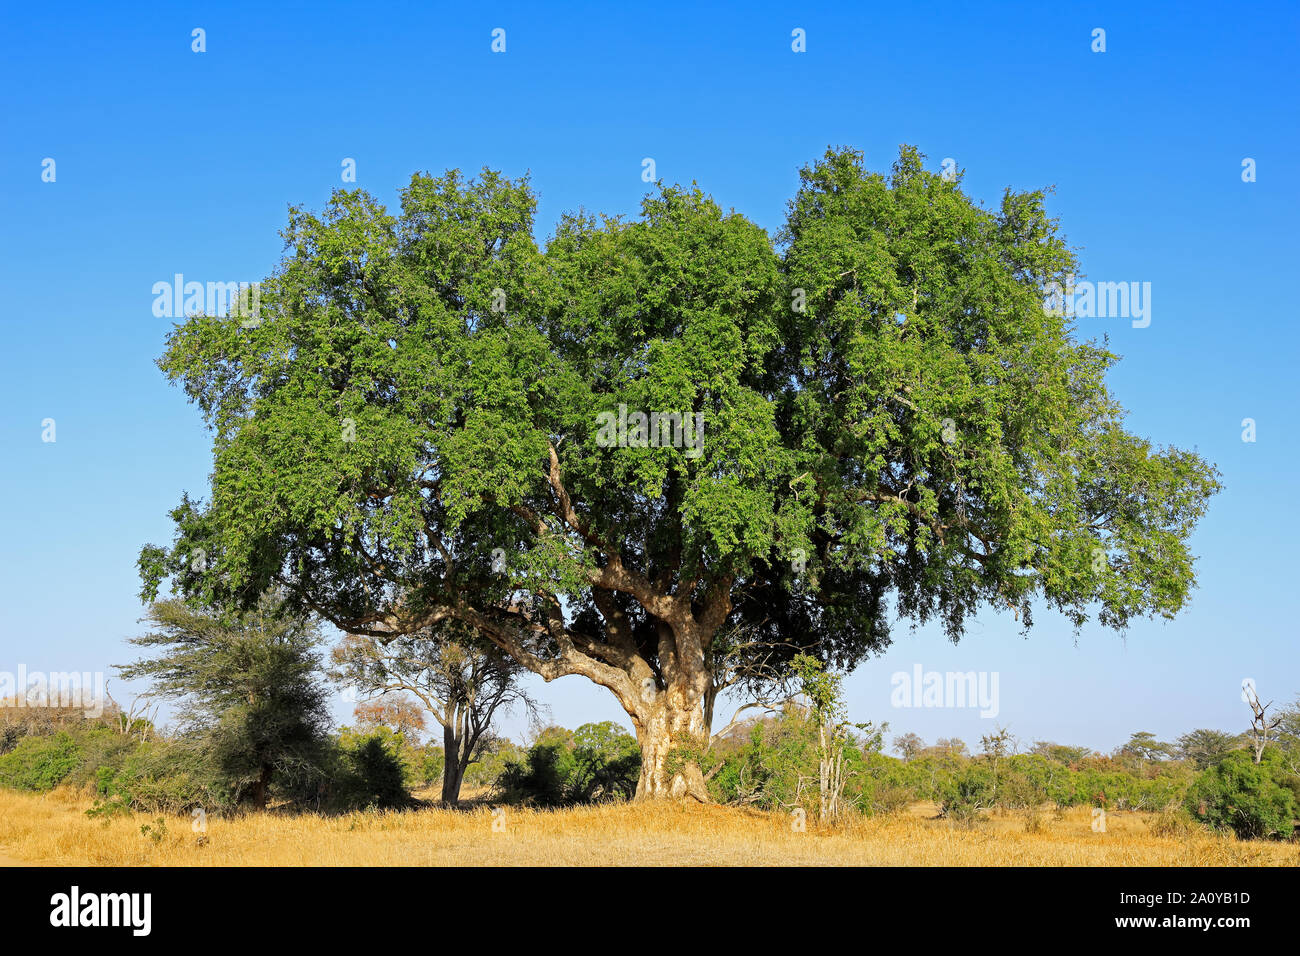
53, 829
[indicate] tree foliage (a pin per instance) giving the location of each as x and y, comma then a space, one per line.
249, 689
1254, 800
1205, 747
893, 424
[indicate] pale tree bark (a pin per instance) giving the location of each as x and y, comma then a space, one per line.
663, 693
672, 733
1261, 725
664, 698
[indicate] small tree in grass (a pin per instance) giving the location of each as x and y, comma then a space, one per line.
248, 688
822, 689
464, 682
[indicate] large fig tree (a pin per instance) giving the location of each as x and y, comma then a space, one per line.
650, 448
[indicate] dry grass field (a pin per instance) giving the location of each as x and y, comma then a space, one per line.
53, 829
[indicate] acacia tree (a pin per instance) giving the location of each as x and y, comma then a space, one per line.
416, 427
464, 683
248, 691
1142, 747
1205, 747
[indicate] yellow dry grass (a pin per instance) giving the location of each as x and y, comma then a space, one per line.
54, 829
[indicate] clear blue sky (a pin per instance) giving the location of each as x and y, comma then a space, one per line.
172, 161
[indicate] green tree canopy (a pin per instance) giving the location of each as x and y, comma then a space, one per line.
1205, 747
416, 427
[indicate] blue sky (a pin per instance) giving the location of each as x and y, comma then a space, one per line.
173, 161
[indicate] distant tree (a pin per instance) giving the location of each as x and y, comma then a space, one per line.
249, 690
1061, 753
997, 744
1287, 735
462, 681
552, 734
395, 711
1143, 747
909, 745
1204, 747
952, 746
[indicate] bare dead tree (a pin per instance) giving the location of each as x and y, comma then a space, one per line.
139, 720
1261, 725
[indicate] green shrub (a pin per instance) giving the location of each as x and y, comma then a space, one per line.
885, 797
607, 763
40, 763
369, 772
596, 762
540, 779
965, 794
486, 772
106, 810
1246, 798
771, 768
155, 831
163, 777
100, 747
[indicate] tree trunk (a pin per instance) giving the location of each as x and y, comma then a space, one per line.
672, 735
664, 695
261, 788
453, 770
